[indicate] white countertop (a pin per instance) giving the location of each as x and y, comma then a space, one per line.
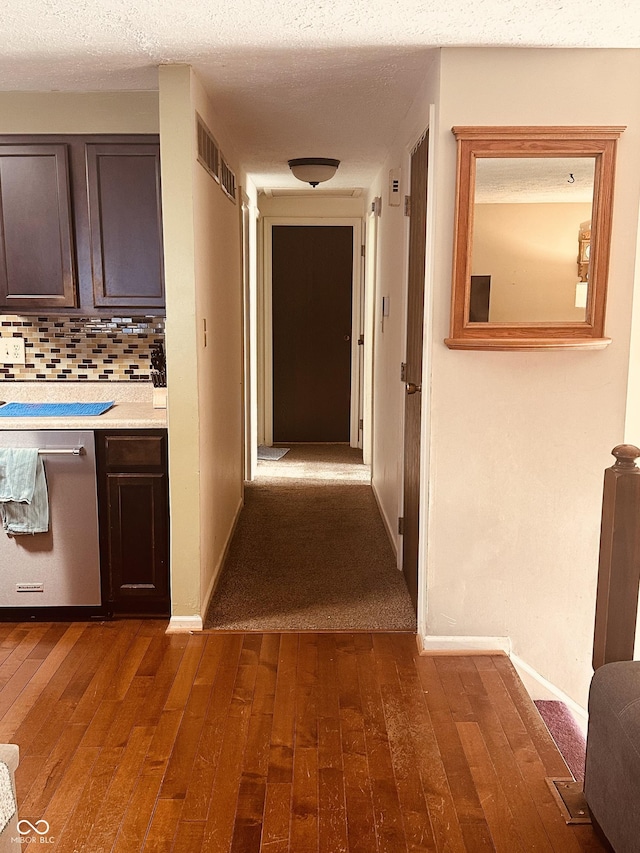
133, 408
120, 416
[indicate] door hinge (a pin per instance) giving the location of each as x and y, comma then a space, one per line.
360, 424
400, 525
361, 341
362, 250
403, 372
407, 205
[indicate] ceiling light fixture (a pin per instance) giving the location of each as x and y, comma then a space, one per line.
313, 170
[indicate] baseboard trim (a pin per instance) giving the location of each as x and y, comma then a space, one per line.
385, 521
577, 710
428, 644
188, 624
218, 569
184, 624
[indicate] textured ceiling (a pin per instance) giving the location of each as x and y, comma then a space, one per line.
290, 79
529, 180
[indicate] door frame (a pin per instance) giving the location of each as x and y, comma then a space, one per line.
427, 346
266, 319
250, 217
370, 300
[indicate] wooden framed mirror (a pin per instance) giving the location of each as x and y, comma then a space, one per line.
532, 234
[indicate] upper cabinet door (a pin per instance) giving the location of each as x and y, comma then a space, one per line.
36, 249
125, 223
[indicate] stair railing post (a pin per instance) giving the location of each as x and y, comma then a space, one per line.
619, 563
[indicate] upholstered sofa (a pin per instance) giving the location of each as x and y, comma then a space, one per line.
612, 774
9, 755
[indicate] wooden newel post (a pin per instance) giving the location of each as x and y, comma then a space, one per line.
619, 566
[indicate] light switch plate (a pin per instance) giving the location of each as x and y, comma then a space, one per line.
394, 187
12, 351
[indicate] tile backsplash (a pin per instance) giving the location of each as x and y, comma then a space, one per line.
82, 348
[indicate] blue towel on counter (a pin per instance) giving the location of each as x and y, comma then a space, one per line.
24, 502
54, 410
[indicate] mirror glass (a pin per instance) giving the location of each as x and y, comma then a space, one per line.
531, 239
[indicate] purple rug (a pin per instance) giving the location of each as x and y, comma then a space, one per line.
566, 733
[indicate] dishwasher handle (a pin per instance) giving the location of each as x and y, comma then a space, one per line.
62, 451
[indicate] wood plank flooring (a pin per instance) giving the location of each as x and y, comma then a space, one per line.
134, 740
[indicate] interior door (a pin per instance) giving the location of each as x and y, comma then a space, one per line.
312, 272
413, 370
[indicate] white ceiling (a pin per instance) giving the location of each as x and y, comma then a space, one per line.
290, 78
534, 180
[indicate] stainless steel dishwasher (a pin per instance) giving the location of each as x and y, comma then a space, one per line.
61, 568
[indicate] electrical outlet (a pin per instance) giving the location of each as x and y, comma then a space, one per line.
12, 351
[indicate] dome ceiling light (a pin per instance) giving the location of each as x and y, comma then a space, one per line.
313, 170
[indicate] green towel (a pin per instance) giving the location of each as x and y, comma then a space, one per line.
24, 503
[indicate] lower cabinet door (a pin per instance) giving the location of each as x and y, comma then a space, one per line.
133, 508
137, 527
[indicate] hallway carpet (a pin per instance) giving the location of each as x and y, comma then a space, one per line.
310, 551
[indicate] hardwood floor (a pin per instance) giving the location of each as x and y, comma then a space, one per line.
133, 740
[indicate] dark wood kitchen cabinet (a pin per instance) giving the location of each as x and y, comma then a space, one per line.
80, 225
133, 509
37, 263
125, 225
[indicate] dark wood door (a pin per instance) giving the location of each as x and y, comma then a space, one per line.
312, 270
123, 183
413, 371
134, 521
36, 248
479, 298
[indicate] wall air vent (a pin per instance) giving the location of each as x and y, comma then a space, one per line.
208, 151
227, 180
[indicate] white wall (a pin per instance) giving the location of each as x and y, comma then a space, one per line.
219, 287
204, 372
78, 112
520, 440
180, 338
310, 205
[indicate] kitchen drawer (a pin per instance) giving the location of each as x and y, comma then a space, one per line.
135, 451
